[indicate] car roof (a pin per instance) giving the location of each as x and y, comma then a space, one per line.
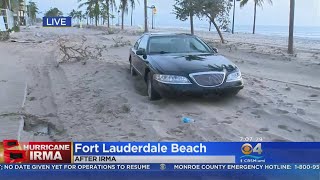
167, 34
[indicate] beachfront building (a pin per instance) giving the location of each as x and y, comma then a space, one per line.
6, 19
21, 13
12, 16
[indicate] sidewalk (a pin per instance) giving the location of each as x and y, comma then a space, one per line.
12, 92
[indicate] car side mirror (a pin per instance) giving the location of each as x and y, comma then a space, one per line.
215, 50
140, 52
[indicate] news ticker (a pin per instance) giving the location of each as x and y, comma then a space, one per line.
161, 167
12, 151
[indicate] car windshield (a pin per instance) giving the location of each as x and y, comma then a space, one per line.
176, 44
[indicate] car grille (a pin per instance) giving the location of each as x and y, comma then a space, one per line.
208, 79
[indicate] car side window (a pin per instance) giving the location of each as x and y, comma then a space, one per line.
136, 45
197, 46
143, 43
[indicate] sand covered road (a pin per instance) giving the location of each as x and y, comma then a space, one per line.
100, 101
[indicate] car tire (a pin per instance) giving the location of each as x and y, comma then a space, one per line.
132, 70
152, 93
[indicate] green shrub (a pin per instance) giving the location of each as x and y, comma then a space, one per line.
16, 29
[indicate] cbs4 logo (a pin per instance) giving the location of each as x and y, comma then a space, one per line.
247, 149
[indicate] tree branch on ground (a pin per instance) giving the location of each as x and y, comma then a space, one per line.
79, 52
120, 42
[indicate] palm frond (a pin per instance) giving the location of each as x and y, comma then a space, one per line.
243, 3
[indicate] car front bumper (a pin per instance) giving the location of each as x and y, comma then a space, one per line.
173, 90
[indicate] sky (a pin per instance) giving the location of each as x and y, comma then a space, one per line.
307, 12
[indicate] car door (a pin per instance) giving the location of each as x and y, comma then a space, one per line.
134, 56
141, 62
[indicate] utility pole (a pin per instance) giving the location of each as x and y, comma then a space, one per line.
152, 22
153, 8
145, 16
291, 27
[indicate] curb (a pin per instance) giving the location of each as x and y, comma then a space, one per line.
21, 126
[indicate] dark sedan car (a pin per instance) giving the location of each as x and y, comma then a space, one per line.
182, 64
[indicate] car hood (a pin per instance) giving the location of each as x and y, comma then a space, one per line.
186, 64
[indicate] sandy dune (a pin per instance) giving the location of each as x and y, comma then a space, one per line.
100, 101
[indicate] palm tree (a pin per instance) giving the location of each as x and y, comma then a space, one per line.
79, 16
105, 14
291, 27
256, 3
7, 4
124, 9
72, 14
110, 5
53, 12
133, 6
112, 17
32, 10
87, 14
94, 8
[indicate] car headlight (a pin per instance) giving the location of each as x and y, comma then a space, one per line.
171, 79
235, 76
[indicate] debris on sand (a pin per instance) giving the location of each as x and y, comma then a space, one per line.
120, 42
187, 120
313, 95
287, 88
4, 36
25, 41
73, 51
301, 111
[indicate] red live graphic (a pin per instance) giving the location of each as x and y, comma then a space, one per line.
35, 152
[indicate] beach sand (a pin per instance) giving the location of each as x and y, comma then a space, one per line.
97, 100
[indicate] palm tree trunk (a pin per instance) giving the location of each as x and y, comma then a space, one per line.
131, 14
122, 19
218, 30
254, 18
291, 27
5, 6
145, 16
191, 23
108, 9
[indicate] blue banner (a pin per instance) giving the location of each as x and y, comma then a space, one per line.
283, 152
87, 171
57, 21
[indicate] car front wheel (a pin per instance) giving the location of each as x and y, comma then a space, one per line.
152, 94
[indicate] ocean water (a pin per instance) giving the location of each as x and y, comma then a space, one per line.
302, 32
282, 31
